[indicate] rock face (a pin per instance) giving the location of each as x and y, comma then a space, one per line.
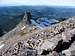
27, 18
57, 40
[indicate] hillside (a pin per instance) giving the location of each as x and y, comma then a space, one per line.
29, 40
11, 16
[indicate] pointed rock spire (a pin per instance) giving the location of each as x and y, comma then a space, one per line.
27, 17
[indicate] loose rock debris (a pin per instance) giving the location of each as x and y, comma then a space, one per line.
57, 40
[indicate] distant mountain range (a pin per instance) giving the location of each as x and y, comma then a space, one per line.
11, 16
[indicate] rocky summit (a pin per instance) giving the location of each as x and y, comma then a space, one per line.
27, 39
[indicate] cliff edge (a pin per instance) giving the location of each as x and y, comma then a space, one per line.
28, 40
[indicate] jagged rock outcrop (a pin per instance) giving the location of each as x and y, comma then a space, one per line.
27, 18
56, 40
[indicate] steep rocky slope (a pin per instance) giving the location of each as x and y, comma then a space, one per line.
28, 40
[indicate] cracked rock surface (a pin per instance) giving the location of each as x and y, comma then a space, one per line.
57, 40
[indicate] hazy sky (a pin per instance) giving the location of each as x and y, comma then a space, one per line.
37, 2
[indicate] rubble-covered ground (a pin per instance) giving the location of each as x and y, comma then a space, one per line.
56, 40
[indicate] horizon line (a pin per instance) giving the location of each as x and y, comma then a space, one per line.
36, 5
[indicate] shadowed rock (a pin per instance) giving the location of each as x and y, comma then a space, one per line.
64, 45
27, 17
